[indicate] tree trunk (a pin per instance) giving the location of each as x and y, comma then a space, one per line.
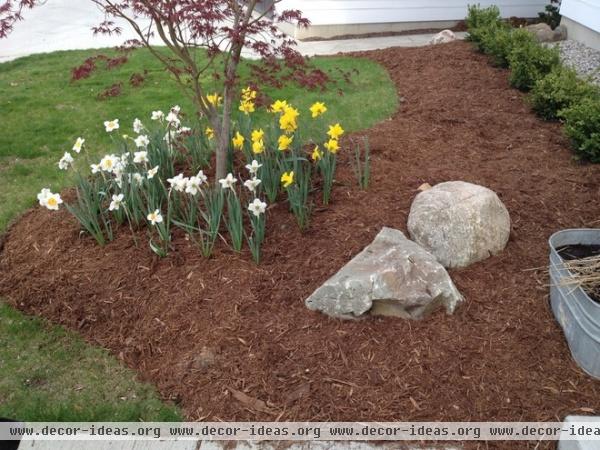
225, 126
223, 130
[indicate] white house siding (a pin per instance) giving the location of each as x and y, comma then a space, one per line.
344, 12
582, 20
586, 12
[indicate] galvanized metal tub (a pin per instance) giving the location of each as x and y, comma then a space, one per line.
575, 311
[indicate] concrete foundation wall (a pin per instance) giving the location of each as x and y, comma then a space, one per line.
581, 33
331, 31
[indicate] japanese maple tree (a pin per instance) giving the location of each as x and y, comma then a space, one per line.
223, 28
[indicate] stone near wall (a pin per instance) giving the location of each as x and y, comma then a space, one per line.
443, 37
459, 223
543, 32
392, 276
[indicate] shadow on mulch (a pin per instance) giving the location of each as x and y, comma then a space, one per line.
231, 341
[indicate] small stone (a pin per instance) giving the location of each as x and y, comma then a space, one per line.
443, 37
424, 187
392, 276
204, 360
459, 223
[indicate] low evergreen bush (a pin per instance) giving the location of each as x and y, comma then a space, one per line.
582, 126
479, 20
530, 62
558, 90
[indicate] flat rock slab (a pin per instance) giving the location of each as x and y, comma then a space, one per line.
392, 276
459, 223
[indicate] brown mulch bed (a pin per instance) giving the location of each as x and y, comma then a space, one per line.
205, 330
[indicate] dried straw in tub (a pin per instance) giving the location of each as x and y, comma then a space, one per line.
584, 273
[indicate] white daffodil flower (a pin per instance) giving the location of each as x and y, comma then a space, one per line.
78, 145
253, 167
173, 119
176, 109
228, 182
65, 161
203, 178
140, 157
109, 162
116, 202
155, 217
252, 184
152, 172
142, 141
118, 173
257, 207
49, 200
184, 130
178, 182
158, 115
111, 125
95, 168
138, 126
193, 185
138, 178
170, 137
43, 195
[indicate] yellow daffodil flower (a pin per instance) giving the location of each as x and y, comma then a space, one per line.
257, 135
209, 132
317, 154
317, 109
290, 111
279, 106
248, 94
287, 123
214, 99
258, 147
335, 131
285, 142
287, 179
246, 107
238, 141
333, 145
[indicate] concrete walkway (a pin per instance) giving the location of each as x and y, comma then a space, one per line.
67, 25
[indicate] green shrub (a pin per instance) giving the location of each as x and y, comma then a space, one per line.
582, 126
530, 62
479, 20
551, 14
558, 90
496, 41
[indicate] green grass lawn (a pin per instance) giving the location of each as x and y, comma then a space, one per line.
47, 373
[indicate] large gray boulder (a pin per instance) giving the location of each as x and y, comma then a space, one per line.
392, 276
459, 223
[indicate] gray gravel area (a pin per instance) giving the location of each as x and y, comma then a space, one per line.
585, 60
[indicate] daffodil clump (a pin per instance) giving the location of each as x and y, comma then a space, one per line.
157, 178
290, 157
